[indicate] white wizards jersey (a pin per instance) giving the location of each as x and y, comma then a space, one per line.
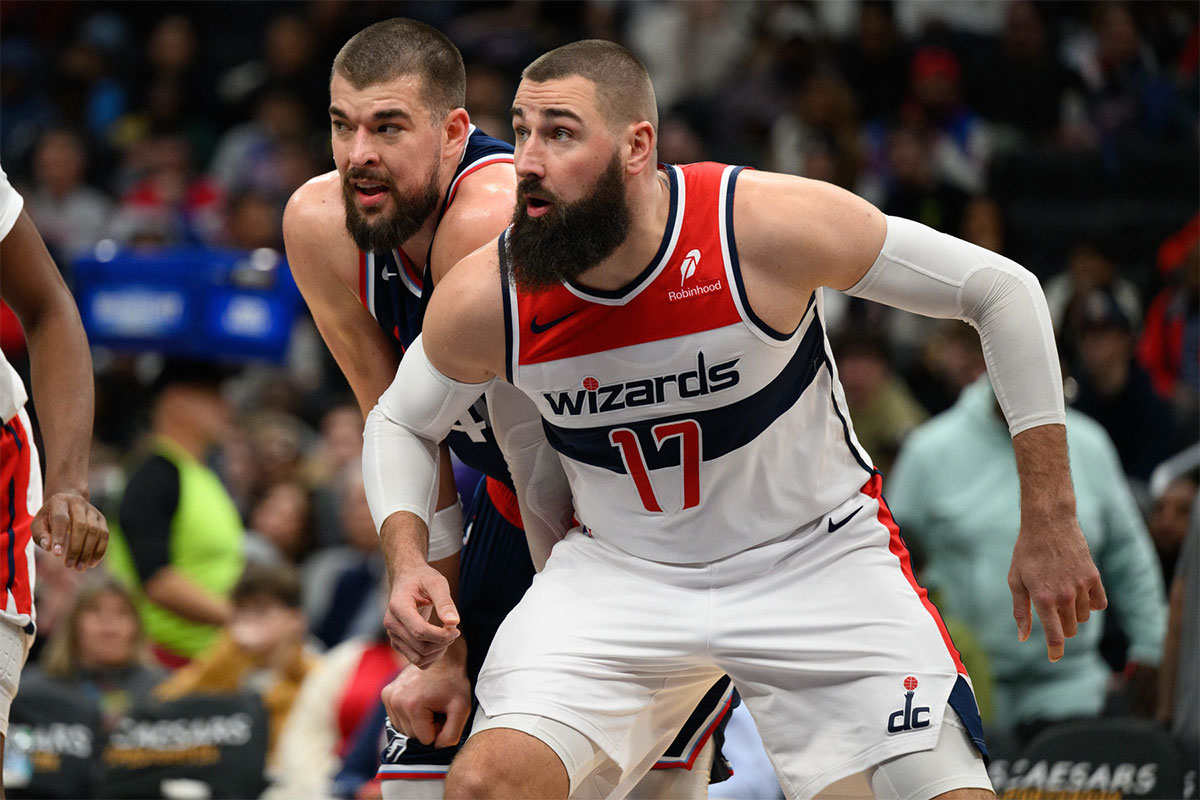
688, 428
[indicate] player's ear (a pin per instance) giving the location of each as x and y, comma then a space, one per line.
642, 143
456, 127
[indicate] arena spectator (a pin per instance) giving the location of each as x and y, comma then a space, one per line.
1168, 521
261, 648
279, 528
1113, 389
179, 542
99, 651
71, 215
343, 586
335, 699
1169, 347
969, 526
1017, 81
1089, 267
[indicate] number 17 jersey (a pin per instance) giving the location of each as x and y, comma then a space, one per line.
689, 429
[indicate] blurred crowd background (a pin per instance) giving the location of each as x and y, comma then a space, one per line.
1061, 134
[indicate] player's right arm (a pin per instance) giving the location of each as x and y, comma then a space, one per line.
447, 368
325, 262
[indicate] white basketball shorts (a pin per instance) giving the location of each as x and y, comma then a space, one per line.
835, 649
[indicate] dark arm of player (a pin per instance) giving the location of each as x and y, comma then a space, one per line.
63, 391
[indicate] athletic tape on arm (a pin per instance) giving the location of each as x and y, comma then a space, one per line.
931, 273
400, 441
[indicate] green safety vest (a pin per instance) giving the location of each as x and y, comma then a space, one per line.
207, 545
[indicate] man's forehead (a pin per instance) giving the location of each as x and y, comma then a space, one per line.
404, 91
575, 94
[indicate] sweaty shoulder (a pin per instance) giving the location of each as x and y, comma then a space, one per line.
804, 233
314, 231
463, 331
482, 207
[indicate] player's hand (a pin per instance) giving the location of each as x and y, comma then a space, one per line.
68, 525
415, 596
1052, 567
431, 705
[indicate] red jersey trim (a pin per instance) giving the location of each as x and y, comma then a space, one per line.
873, 488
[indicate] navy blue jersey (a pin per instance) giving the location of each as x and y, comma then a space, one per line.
396, 292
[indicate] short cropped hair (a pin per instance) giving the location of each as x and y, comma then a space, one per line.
623, 85
280, 582
397, 48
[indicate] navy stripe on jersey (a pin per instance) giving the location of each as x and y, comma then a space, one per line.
10, 533
845, 425
644, 275
737, 268
509, 334
723, 429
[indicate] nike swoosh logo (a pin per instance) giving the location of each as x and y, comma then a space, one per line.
538, 328
833, 526
388, 275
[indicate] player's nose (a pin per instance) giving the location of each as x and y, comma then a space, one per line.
362, 149
527, 159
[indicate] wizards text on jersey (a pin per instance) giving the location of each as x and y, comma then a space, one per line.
593, 397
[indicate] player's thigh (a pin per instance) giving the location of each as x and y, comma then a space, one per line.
520, 755
599, 647
834, 649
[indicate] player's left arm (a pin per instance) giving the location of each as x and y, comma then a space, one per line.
795, 235
67, 524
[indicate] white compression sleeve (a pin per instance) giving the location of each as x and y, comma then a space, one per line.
400, 441
930, 273
543, 493
446, 532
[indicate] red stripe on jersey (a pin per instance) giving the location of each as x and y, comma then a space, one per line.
690, 294
874, 489
15, 520
413, 273
411, 776
362, 280
505, 501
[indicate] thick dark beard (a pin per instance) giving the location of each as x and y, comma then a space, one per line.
381, 232
571, 237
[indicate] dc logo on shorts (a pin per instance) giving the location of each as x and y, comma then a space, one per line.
908, 718
397, 743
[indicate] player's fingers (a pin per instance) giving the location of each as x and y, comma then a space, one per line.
40, 529
1051, 624
1096, 594
457, 711
423, 728
77, 531
1082, 605
417, 630
1066, 617
438, 592
93, 529
60, 521
101, 548
1021, 612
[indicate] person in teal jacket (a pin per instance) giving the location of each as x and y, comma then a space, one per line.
954, 488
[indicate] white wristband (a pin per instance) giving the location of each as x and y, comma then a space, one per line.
446, 532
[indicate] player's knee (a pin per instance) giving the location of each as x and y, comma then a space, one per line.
470, 778
504, 763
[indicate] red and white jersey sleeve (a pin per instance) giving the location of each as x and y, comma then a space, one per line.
689, 429
12, 390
